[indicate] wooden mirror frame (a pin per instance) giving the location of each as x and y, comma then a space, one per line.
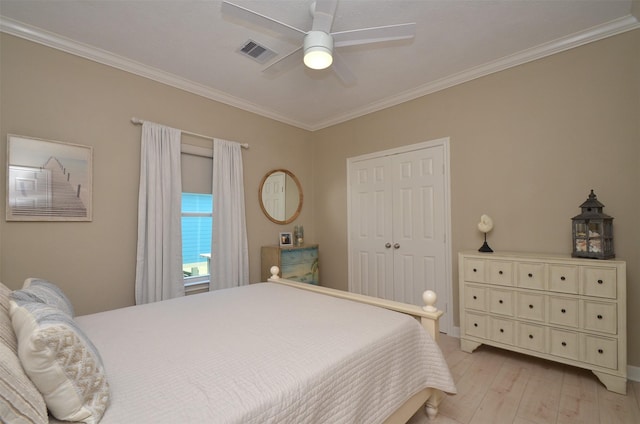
300, 197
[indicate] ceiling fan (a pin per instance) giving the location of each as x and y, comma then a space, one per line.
319, 42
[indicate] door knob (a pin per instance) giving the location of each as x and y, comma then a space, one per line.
388, 245
396, 246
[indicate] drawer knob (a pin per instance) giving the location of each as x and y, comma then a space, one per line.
562, 278
500, 272
531, 336
600, 281
502, 330
475, 297
530, 306
530, 275
500, 301
564, 343
564, 311
475, 270
475, 324
600, 351
599, 316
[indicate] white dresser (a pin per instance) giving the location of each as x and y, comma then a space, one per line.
555, 307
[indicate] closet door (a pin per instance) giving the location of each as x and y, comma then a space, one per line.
370, 228
397, 226
418, 224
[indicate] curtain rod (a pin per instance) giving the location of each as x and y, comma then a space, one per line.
138, 121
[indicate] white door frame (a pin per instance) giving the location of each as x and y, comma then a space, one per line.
447, 322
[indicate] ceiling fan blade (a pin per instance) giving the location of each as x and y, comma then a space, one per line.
239, 12
286, 62
323, 15
374, 35
342, 70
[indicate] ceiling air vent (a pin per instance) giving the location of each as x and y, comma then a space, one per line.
256, 52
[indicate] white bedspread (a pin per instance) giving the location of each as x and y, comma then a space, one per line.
263, 353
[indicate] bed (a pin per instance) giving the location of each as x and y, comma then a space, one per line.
273, 352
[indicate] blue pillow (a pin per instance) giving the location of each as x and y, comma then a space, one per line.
42, 291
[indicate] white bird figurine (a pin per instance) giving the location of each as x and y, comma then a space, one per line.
485, 225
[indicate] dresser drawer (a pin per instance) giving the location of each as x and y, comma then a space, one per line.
564, 311
475, 297
531, 337
501, 302
599, 282
531, 276
502, 330
499, 272
601, 351
474, 270
563, 278
299, 255
530, 306
476, 325
564, 344
601, 316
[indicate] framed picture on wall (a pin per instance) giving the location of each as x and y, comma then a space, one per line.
48, 180
286, 239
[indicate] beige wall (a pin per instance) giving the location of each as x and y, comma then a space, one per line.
527, 145
52, 95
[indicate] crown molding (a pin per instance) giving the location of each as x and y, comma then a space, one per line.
599, 32
37, 35
104, 57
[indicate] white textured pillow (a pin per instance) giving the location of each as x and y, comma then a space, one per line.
43, 291
61, 361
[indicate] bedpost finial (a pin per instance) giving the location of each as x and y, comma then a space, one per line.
429, 297
274, 272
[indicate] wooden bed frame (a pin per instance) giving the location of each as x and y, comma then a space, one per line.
427, 315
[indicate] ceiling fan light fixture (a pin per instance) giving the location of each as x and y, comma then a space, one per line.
318, 58
318, 50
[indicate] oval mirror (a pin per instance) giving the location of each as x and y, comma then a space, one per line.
280, 196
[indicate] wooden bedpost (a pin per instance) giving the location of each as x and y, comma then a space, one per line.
431, 323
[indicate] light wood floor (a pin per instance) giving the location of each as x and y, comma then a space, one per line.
497, 386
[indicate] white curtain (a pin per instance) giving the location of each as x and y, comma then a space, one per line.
229, 248
159, 258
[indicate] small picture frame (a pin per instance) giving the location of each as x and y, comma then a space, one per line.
286, 239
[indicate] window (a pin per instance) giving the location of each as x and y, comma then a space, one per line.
196, 237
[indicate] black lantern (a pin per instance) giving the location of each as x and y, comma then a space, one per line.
592, 231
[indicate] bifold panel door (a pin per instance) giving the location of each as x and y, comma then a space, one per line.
397, 226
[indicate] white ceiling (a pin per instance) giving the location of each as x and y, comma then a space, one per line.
190, 45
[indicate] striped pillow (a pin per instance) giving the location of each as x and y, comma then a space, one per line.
7, 336
20, 400
61, 361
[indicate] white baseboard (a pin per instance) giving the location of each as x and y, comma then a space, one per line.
455, 332
633, 373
